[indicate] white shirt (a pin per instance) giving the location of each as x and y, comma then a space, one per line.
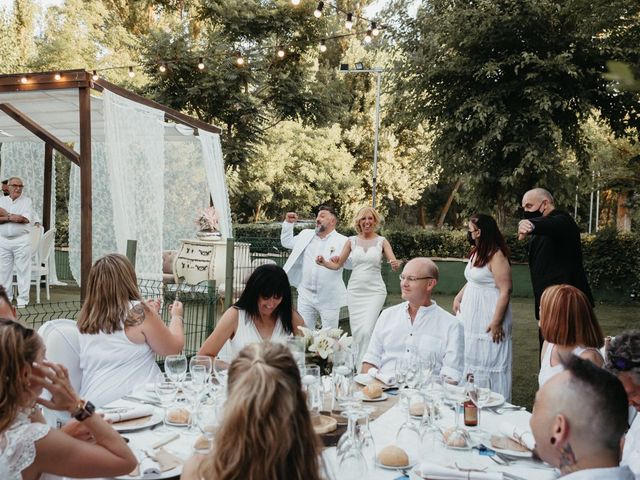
20, 206
310, 268
613, 473
631, 452
433, 329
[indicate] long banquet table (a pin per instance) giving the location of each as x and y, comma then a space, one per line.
383, 429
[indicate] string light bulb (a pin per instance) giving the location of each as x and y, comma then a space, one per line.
57, 76
280, 52
318, 11
163, 67
295, 2
367, 36
201, 63
94, 75
323, 46
131, 72
240, 60
24, 79
349, 23
374, 29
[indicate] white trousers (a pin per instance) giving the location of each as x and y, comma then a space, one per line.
310, 309
15, 253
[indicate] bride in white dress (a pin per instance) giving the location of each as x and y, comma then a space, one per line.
366, 291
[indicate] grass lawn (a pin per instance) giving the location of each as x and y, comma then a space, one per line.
612, 318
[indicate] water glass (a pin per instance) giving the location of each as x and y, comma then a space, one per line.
202, 360
207, 420
175, 366
296, 347
343, 377
166, 389
221, 371
312, 386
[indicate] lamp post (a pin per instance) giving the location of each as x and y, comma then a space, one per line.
344, 68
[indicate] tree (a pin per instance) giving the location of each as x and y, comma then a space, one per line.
297, 168
506, 84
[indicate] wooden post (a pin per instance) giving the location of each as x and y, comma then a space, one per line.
86, 205
46, 194
132, 251
228, 274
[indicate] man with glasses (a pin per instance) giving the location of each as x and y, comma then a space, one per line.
321, 291
15, 244
623, 360
417, 328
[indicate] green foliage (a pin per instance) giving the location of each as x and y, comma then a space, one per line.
505, 85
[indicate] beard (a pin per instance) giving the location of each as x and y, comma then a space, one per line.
320, 228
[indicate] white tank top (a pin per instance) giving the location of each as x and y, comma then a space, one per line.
247, 333
113, 366
547, 370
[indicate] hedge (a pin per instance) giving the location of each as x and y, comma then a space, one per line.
611, 259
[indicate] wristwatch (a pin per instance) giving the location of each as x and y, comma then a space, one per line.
83, 410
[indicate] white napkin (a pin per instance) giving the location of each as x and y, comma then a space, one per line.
519, 432
433, 471
130, 414
149, 467
385, 378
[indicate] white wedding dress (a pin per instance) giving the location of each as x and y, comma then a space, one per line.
366, 291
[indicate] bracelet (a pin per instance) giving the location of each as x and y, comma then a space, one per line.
177, 316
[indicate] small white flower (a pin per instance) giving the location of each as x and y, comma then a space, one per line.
345, 341
335, 333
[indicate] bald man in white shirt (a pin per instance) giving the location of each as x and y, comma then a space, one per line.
417, 326
16, 214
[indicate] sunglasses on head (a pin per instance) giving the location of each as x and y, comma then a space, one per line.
25, 331
623, 364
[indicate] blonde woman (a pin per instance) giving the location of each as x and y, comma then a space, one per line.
121, 333
366, 291
266, 431
28, 446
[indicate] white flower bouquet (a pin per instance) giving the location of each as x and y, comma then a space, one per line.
320, 345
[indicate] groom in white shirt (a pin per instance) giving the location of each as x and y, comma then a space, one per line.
321, 291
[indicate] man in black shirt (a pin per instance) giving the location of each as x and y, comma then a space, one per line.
555, 251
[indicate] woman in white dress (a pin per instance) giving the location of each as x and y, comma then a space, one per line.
120, 333
366, 291
28, 446
568, 325
483, 306
263, 312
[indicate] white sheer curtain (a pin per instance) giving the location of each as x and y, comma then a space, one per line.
103, 238
185, 189
134, 139
214, 166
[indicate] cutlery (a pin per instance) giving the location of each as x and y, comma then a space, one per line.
506, 408
144, 401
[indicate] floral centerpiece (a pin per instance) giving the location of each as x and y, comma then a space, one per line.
208, 223
320, 345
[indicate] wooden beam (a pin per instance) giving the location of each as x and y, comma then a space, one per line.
40, 132
170, 113
46, 194
44, 80
86, 204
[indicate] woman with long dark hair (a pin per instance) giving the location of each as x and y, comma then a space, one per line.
264, 311
483, 305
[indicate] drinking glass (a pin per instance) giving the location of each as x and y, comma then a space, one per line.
166, 389
312, 386
207, 420
175, 366
296, 346
366, 439
408, 435
221, 371
427, 364
351, 460
203, 360
343, 377
480, 392
401, 372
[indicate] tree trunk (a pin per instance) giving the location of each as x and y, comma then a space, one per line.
423, 219
447, 205
623, 214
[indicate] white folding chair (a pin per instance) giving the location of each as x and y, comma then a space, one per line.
61, 339
41, 269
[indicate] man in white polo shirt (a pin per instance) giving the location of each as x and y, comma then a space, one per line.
417, 327
16, 213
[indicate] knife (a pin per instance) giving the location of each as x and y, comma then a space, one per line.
145, 401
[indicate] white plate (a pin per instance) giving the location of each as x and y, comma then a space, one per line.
496, 399
363, 379
405, 467
513, 453
364, 398
155, 419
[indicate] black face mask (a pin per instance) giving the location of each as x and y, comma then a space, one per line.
535, 214
470, 239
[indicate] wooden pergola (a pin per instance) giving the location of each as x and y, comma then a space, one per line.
83, 82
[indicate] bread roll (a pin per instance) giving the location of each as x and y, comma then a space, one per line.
179, 416
372, 391
393, 456
417, 409
457, 441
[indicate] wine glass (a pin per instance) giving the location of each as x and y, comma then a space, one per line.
203, 360
480, 392
351, 460
343, 377
166, 389
207, 420
296, 347
175, 366
366, 438
312, 387
194, 385
408, 435
221, 371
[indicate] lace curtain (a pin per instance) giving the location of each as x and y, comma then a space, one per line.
214, 166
